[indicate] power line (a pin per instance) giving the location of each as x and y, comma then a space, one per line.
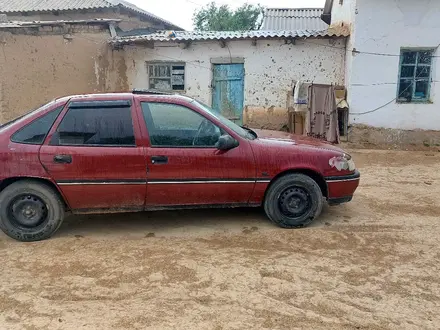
355, 85
352, 113
394, 83
375, 54
394, 99
354, 50
386, 104
374, 110
194, 63
382, 106
362, 52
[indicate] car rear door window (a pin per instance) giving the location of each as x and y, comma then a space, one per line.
96, 126
36, 131
173, 125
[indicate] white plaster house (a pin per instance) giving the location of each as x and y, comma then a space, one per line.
383, 51
392, 74
255, 69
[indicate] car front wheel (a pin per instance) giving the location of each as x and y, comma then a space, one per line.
30, 211
293, 201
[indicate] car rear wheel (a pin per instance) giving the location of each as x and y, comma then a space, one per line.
30, 211
293, 201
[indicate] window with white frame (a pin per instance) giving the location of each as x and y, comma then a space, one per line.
166, 76
415, 75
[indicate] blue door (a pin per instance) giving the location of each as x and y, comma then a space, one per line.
228, 93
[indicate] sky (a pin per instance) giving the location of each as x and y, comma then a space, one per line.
180, 12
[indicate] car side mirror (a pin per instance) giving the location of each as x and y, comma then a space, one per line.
226, 142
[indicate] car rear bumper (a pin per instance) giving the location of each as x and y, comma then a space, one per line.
342, 188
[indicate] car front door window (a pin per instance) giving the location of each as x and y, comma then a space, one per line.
174, 126
186, 165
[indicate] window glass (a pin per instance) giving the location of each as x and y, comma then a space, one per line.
27, 115
425, 57
406, 89
415, 75
409, 57
423, 71
172, 125
421, 90
96, 127
36, 131
166, 76
407, 71
230, 124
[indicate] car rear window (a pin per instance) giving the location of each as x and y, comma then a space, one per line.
36, 131
27, 115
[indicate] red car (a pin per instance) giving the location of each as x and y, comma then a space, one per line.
148, 151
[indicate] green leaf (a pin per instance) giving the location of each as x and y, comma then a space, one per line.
213, 17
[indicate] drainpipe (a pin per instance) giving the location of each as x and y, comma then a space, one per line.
327, 14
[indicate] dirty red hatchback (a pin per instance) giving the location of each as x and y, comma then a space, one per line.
145, 151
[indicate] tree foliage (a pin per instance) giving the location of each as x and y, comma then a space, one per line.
213, 17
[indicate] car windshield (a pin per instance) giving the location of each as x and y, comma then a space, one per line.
26, 115
242, 131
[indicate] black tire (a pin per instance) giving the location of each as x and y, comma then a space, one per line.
30, 211
293, 201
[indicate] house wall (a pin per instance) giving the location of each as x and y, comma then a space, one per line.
130, 21
271, 69
34, 69
343, 14
343, 11
385, 27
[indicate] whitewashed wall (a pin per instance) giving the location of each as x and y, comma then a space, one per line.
372, 80
343, 12
271, 67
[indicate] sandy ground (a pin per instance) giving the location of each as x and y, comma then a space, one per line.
370, 264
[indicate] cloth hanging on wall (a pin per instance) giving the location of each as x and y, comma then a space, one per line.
301, 97
322, 117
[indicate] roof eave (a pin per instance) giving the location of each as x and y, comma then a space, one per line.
33, 24
162, 21
140, 40
150, 17
294, 8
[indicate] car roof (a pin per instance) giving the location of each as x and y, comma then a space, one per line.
116, 96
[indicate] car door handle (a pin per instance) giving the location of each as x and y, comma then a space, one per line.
159, 159
62, 159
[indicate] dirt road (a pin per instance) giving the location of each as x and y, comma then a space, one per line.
370, 264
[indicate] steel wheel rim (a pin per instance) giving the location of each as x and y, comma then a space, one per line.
28, 211
294, 202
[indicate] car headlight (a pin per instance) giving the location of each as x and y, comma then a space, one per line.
344, 162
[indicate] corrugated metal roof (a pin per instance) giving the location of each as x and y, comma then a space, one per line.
27, 24
130, 6
293, 19
20, 6
223, 35
10, 6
